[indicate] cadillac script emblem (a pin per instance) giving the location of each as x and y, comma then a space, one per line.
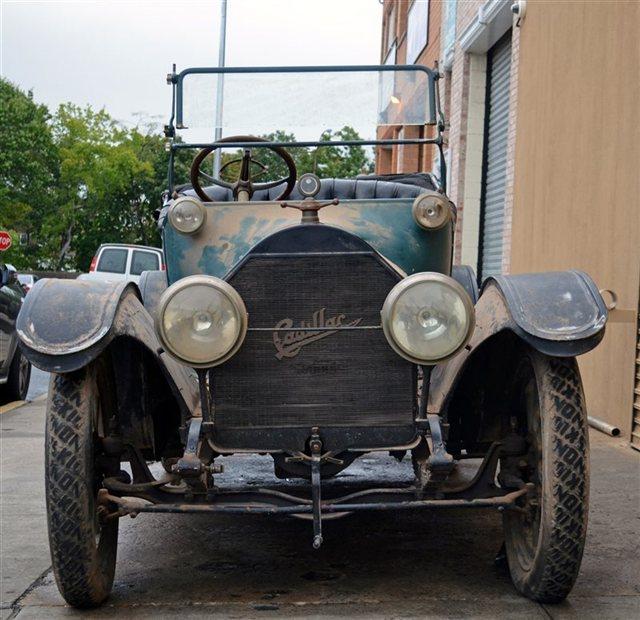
289, 343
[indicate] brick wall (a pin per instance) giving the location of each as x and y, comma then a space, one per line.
458, 137
412, 158
463, 148
457, 134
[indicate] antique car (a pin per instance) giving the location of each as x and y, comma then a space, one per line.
314, 320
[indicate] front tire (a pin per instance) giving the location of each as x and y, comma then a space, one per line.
545, 542
83, 545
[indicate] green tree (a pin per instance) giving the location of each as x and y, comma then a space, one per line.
325, 161
109, 185
29, 171
275, 166
342, 162
77, 179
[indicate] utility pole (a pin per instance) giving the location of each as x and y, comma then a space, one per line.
220, 89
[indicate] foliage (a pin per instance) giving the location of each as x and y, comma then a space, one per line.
109, 179
75, 179
29, 168
342, 162
326, 161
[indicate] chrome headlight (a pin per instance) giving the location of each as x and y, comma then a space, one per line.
427, 318
201, 321
187, 215
432, 210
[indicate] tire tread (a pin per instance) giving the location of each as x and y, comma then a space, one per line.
75, 565
569, 482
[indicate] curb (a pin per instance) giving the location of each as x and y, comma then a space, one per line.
11, 406
19, 403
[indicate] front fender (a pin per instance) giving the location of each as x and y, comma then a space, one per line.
65, 324
558, 313
466, 277
152, 284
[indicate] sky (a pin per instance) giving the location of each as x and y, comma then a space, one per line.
116, 54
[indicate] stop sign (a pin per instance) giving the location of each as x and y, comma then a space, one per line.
5, 240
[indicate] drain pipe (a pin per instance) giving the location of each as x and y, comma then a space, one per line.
609, 429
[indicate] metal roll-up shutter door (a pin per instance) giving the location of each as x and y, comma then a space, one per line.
495, 156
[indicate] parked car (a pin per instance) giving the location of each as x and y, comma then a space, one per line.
27, 280
114, 262
314, 320
15, 368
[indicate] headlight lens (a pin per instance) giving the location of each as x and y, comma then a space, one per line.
201, 321
427, 318
187, 215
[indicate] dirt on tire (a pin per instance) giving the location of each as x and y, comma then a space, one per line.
83, 554
555, 562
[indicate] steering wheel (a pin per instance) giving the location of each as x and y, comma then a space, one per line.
244, 184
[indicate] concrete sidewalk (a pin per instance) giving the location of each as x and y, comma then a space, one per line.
413, 564
24, 549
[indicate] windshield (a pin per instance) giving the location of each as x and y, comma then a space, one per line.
303, 103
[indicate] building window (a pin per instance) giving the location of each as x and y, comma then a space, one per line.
400, 163
384, 160
448, 32
390, 34
390, 58
417, 29
386, 83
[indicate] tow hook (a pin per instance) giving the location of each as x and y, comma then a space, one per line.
190, 465
315, 446
434, 469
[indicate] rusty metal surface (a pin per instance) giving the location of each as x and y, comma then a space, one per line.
60, 317
309, 208
492, 316
495, 313
232, 229
152, 284
133, 320
130, 505
190, 489
68, 323
167, 494
557, 305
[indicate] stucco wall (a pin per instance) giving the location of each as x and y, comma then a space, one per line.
577, 171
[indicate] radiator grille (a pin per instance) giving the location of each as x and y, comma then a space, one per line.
345, 378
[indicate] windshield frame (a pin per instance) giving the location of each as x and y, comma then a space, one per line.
176, 120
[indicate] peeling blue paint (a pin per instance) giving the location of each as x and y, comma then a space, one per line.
232, 229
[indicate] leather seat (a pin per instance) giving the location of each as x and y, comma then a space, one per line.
344, 189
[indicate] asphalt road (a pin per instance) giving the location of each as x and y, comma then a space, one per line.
376, 565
